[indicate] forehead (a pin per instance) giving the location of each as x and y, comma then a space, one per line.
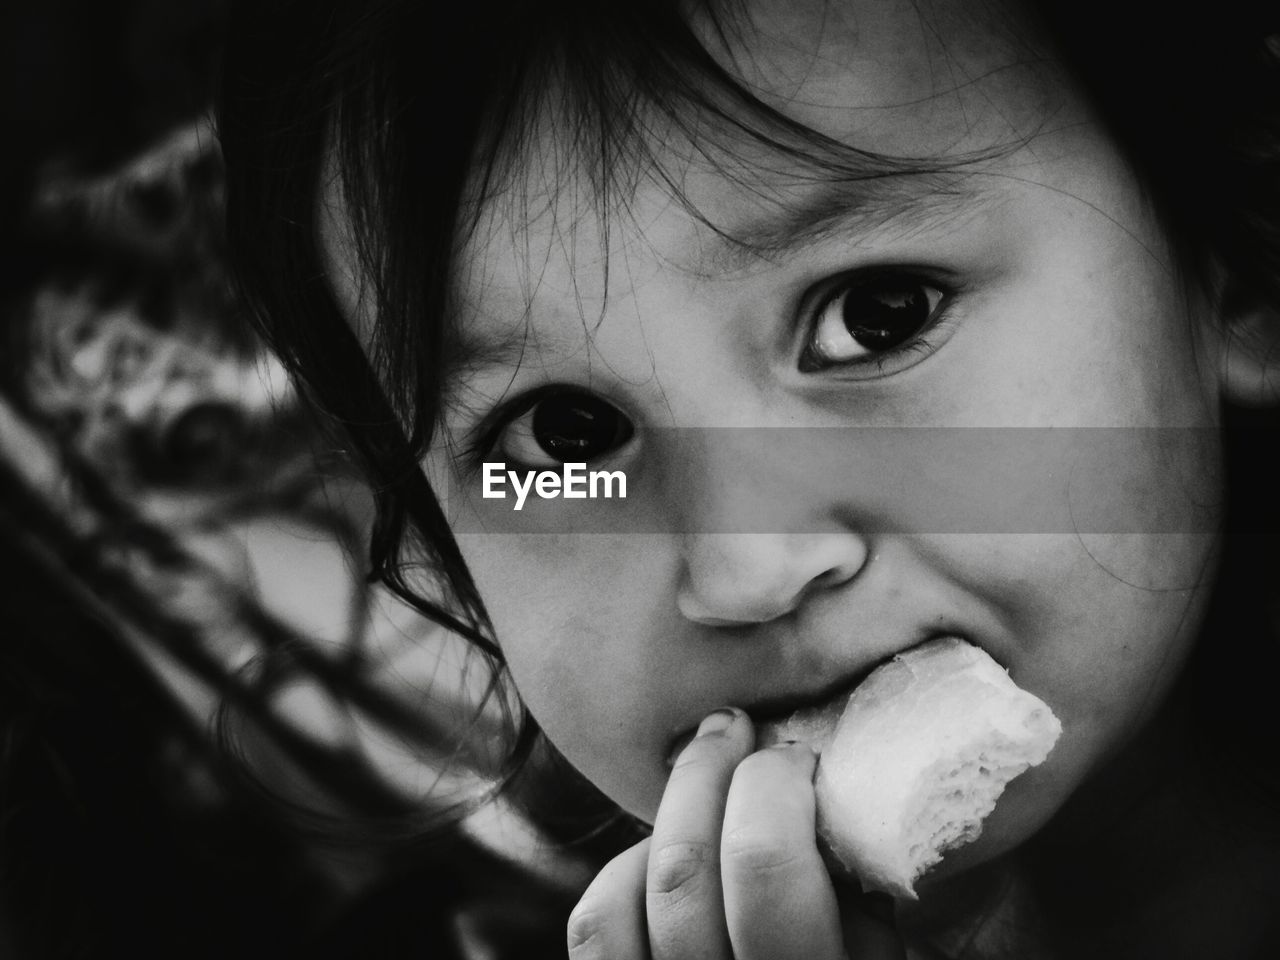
931, 80
897, 79
907, 78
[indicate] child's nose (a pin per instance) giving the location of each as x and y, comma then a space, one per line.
743, 578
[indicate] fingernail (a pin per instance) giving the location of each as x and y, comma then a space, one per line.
806, 755
717, 722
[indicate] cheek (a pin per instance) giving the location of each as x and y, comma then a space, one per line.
579, 622
1090, 325
1125, 609
1098, 626
1102, 651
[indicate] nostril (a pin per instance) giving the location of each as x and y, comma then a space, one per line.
741, 579
708, 621
748, 607
841, 558
840, 572
830, 578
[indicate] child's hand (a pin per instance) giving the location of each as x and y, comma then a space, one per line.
732, 871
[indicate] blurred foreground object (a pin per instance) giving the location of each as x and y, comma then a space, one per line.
202, 561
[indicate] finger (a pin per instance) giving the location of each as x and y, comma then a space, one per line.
608, 922
779, 900
685, 905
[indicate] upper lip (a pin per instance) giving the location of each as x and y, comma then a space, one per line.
769, 709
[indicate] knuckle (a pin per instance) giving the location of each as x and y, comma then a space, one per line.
680, 868
585, 932
602, 925
758, 851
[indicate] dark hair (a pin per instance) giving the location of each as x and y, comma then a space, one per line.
419, 109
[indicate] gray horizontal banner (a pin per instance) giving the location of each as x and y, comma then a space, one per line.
901, 480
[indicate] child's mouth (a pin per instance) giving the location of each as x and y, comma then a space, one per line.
810, 721
809, 718
814, 724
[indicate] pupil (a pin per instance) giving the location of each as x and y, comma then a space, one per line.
883, 318
575, 427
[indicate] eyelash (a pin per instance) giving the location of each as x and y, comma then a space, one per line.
877, 364
484, 437
481, 441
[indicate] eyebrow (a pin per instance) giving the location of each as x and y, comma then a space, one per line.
466, 351
902, 202
787, 227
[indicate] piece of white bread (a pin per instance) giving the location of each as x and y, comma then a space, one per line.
924, 748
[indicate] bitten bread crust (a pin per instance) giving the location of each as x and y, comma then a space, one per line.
925, 746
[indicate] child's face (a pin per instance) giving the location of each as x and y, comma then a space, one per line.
1043, 294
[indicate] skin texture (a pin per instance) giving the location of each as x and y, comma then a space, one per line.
1064, 310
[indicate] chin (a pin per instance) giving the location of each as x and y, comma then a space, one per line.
1021, 813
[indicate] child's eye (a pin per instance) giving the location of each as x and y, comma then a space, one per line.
568, 426
865, 318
